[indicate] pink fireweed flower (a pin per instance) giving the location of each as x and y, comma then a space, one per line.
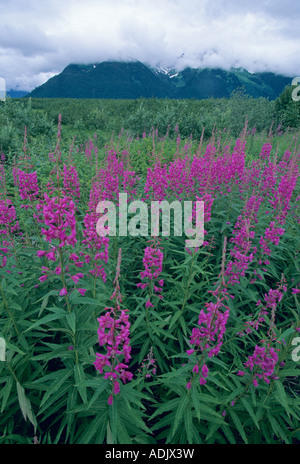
27, 183
243, 251
208, 337
265, 151
268, 180
96, 246
272, 235
262, 364
148, 366
77, 277
212, 324
8, 217
283, 194
8, 226
71, 184
114, 337
156, 182
153, 262
59, 216
272, 298
111, 180
51, 255
263, 361
149, 304
82, 291
41, 253
63, 292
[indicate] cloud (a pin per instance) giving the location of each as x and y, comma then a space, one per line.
38, 39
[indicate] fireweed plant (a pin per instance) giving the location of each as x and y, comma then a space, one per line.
197, 345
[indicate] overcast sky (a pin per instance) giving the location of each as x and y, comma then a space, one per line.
39, 38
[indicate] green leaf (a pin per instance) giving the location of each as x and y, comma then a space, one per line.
109, 438
286, 333
188, 423
15, 305
249, 408
84, 300
196, 402
182, 406
169, 405
59, 379
144, 349
93, 428
227, 432
102, 384
277, 428
71, 319
5, 392
79, 379
138, 321
182, 323
238, 425
174, 318
25, 406
282, 396
46, 319
289, 373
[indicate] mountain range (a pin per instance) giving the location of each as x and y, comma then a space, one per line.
133, 79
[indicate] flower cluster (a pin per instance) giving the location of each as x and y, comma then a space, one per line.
113, 335
283, 195
156, 182
272, 298
8, 217
264, 359
243, 251
71, 184
272, 235
265, 151
262, 364
8, 226
153, 262
96, 247
59, 216
207, 339
27, 183
110, 180
148, 366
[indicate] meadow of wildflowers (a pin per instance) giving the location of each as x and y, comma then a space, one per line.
140, 339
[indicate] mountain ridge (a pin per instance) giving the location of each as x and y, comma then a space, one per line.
134, 79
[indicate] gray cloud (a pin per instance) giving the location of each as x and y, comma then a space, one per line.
38, 39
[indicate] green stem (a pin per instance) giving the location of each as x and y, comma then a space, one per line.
63, 278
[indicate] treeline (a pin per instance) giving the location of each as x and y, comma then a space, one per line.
137, 117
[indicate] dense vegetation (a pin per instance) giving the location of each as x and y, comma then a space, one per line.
84, 118
124, 339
